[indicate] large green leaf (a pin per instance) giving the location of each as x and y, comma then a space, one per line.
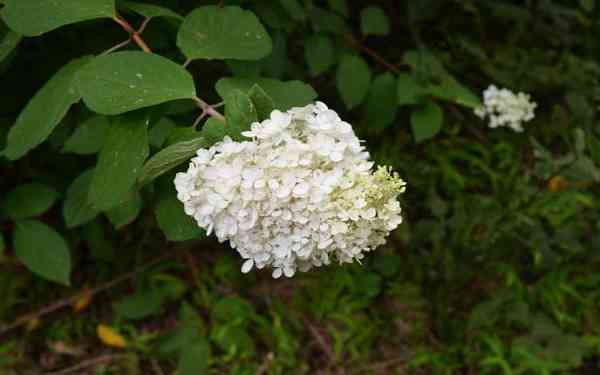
120, 161
285, 94
409, 91
212, 32
160, 131
123, 81
353, 79
28, 200
294, 9
76, 208
35, 17
374, 21
339, 6
194, 358
326, 21
9, 42
89, 137
263, 103
150, 10
240, 113
42, 250
141, 304
426, 121
381, 105
213, 131
44, 111
169, 158
319, 53
450, 89
173, 221
127, 212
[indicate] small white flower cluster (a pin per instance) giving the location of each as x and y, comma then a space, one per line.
300, 194
504, 108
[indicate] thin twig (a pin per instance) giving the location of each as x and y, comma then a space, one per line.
191, 263
107, 358
118, 46
199, 118
208, 108
143, 25
156, 367
321, 341
374, 55
133, 34
70, 300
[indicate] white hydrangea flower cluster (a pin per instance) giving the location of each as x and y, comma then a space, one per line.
505, 108
298, 195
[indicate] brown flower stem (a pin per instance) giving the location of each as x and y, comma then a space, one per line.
374, 55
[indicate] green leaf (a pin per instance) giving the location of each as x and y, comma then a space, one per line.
150, 10
212, 32
240, 113
89, 137
141, 304
285, 94
44, 111
213, 131
98, 242
374, 21
194, 358
353, 79
29, 200
180, 134
189, 328
173, 221
35, 17
169, 158
425, 62
127, 212
426, 121
294, 9
319, 53
120, 161
42, 250
409, 90
76, 209
124, 81
587, 5
381, 105
339, 6
160, 131
449, 89
326, 21
263, 103
9, 42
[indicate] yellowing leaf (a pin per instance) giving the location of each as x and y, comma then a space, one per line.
83, 301
558, 183
110, 337
32, 324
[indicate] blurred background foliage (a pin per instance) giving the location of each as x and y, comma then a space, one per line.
495, 270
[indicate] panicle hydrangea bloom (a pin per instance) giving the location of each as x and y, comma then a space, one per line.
505, 108
299, 194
